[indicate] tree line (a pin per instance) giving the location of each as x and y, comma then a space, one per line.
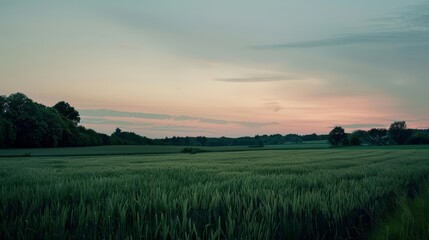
397, 134
25, 123
120, 137
28, 124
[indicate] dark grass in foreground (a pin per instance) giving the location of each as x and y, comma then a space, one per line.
295, 194
410, 220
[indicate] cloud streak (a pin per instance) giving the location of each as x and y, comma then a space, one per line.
358, 125
174, 128
275, 106
393, 38
113, 113
409, 26
145, 126
258, 79
98, 117
105, 121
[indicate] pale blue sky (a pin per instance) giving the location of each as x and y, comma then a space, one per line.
253, 67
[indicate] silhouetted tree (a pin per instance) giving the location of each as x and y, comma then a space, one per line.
7, 133
53, 127
34, 125
399, 133
355, 140
71, 135
16, 105
120, 137
105, 139
377, 136
311, 137
2, 104
25, 123
292, 138
419, 138
67, 111
222, 141
360, 135
201, 140
337, 136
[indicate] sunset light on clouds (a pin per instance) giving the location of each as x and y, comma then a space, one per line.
221, 68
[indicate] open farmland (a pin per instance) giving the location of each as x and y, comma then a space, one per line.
148, 149
292, 194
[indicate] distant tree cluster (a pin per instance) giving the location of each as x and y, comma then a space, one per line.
120, 137
128, 138
25, 123
397, 134
256, 141
338, 137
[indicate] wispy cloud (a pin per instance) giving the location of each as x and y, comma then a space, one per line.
256, 124
415, 16
359, 125
255, 79
177, 128
409, 26
98, 116
113, 113
213, 121
106, 121
145, 126
393, 37
275, 106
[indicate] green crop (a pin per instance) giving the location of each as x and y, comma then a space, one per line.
293, 194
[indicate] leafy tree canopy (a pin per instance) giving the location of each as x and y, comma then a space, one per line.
398, 132
337, 136
67, 111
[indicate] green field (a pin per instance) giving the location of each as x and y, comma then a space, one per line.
410, 220
252, 194
146, 149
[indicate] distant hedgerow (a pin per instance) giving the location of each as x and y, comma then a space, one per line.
191, 150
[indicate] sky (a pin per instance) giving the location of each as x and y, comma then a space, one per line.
221, 68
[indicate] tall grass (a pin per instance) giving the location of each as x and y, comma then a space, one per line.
410, 220
296, 194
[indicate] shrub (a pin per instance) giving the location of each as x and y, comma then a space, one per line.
191, 150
